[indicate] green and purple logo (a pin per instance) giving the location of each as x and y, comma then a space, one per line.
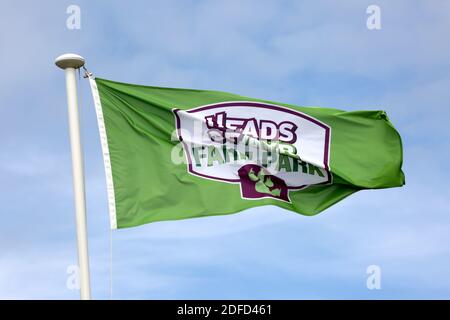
267, 149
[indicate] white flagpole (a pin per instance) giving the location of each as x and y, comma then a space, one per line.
70, 62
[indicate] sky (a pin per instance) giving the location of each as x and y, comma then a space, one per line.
309, 53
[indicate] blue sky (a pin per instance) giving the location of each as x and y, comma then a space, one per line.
302, 52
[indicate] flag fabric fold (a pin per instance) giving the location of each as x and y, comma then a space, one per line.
173, 154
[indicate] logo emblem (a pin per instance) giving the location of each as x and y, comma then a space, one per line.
267, 149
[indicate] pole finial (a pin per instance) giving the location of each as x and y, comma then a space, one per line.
69, 60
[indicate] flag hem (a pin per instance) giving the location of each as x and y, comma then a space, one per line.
105, 153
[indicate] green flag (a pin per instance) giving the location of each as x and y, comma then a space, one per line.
177, 153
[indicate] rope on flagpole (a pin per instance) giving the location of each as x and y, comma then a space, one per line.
110, 264
87, 74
